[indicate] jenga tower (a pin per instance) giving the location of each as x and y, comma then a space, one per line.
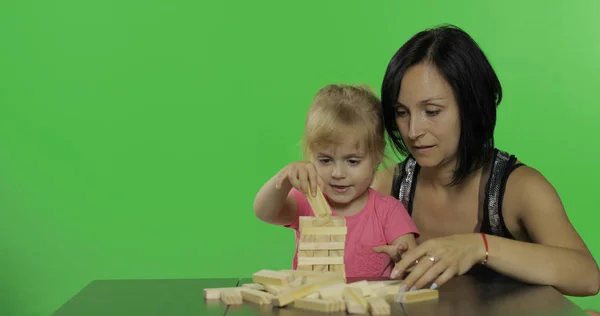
322, 238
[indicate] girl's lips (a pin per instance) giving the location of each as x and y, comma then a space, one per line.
340, 188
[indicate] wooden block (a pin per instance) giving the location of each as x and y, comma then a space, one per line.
324, 246
333, 291
338, 252
231, 297
321, 253
319, 204
256, 296
275, 289
342, 231
293, 294
315, 304
363, 286
305, 268
379, 306
255, 286
302, 261
416, 296
305, 239
355, 302
309, 274
215, 293
386, 290
311, 221
272, 277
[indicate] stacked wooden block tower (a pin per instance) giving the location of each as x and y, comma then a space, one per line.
322, 238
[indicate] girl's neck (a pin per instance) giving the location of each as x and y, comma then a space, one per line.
352, 208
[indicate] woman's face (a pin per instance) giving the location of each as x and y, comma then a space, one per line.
428, 116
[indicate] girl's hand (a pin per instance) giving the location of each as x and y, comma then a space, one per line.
439, 260
394, 252
302, 175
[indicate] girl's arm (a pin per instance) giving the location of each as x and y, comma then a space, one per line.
275, 205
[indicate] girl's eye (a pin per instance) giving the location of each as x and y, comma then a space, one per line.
354, 161
324, 160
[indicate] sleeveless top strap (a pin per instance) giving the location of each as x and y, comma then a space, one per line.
493, 222
403, 184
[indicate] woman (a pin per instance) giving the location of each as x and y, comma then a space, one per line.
479, 209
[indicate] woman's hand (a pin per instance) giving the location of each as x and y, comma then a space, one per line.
438, 260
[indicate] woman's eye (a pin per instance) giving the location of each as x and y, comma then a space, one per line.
432, 113
401, 113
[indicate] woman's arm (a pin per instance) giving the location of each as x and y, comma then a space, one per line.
559, 256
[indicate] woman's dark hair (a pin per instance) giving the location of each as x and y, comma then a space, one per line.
475, 85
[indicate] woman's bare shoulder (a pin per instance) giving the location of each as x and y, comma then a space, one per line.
384, 179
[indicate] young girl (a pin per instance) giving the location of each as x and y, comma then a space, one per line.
343, 145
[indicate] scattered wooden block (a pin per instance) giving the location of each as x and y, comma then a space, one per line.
231, 297
334, 291
274, 289
314, 291
256, 296
316, 304
416, 296
355, 302
256, 286
293, 294
386, 290
272, 277
379, 306
215, 293
363, 286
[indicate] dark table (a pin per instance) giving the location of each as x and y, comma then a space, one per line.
462, 295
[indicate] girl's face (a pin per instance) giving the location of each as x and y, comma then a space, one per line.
346, 169
428, 117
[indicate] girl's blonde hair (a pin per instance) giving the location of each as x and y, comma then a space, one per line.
340, 109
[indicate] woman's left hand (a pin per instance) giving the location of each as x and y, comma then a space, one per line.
439, 260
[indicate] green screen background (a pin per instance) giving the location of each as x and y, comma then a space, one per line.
134, 134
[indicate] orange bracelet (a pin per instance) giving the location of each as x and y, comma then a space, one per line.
486, 248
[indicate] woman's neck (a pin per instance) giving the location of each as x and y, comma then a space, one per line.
440, 177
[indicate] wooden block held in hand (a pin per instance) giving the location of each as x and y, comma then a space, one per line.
319, 204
